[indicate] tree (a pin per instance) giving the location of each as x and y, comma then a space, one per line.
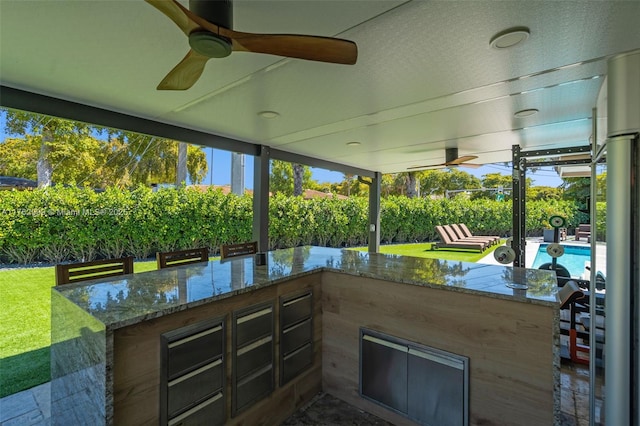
403, 183
387, 185
298, 178
347, 180
577, 189
438, 182
496, 180
601, 186
49, 134
413, 185
17, 157
282, 179
349, 186
67, 152
493, 182
543, 193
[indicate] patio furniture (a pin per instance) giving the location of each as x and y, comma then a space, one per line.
583, 231
569, 294
467, 233
182, 257
76, 272
446, 241
459, 232
228, 251
575, 300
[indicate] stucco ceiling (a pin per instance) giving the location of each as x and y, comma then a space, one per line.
426, 78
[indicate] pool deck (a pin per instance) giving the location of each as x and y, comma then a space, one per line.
534, 243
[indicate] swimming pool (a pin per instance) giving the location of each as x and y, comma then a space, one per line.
573, 258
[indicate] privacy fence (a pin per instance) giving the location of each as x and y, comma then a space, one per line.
57, 224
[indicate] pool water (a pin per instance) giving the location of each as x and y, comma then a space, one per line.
573, 258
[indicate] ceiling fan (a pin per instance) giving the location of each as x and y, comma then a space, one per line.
208, 24
452, 160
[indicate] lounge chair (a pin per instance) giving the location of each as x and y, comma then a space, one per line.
457, 230
583, 231
447, 242
456, 236
467, 233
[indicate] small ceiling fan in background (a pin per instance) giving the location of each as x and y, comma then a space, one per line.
451, 160
208, 24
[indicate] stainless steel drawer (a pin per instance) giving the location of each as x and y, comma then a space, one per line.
193, 387
295, 309
296, 362
253, 326
254, 388
254, 356
193, 350
207, 413
294, 337
192, 373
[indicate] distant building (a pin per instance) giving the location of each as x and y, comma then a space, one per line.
307, 195
9, 183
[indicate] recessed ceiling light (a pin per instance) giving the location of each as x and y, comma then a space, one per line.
353, 143
525, 112
510, 37
268, 114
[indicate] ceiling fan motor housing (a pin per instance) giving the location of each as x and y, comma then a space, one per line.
219, 12
450, 155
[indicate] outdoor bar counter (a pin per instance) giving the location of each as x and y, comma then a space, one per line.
235, 343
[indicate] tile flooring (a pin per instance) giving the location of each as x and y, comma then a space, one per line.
32, 407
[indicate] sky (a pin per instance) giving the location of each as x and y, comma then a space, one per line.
220, 174
220, 169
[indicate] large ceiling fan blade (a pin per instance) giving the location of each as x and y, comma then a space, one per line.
427, 166
176, 13
313, 48
461, 160
471, 165
452, 154
186, 73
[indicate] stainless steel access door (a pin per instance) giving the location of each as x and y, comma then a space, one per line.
425, 384
384, 372
436, 389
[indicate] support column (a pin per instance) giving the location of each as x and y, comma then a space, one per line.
619, 283
237, 173
518, 220
623, 236
261, 198
181, 171
374, 213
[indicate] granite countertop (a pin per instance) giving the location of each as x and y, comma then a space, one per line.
138, 297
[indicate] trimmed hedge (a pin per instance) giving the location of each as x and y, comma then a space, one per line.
58, 224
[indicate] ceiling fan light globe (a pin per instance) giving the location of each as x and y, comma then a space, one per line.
209, 44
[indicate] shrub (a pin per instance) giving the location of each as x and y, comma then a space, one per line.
57, 224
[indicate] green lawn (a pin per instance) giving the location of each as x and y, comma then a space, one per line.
25, 335
424, 250
25, 315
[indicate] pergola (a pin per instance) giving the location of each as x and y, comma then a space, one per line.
480, 77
